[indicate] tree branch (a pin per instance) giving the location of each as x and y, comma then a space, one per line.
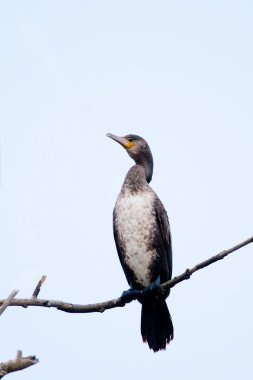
8, 300
17, 364
220, 256
38, 287
118, 302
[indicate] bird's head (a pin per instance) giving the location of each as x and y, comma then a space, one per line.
138, 149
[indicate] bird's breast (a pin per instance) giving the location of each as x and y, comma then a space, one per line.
135, 221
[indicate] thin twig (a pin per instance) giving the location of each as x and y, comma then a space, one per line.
17, 364
8, 301
118, 302
38, 287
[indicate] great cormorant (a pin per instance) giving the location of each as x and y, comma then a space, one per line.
143, 240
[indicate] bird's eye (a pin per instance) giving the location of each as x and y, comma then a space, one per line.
130, 139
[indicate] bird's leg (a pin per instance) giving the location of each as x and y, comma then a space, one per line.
130, 295
153, 293
133, 294
152, 287
155, 284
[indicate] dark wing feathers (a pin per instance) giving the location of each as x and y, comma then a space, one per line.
164, 227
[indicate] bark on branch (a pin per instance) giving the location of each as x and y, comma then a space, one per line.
17, 364
38, 287
118, 302
8, 300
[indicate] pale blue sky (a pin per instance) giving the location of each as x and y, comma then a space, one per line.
179, 74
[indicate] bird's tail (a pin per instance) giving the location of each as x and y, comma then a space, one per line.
156, 325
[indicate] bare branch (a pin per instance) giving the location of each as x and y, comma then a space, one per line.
118, 302
17, 364
7, 302
188, 272
38, 287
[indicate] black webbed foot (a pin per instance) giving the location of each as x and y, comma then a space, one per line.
152, 287
130, 295
152, 293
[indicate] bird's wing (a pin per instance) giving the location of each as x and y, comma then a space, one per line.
165, 238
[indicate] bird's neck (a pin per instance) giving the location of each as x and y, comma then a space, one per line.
135, 180
146, 161
148, 165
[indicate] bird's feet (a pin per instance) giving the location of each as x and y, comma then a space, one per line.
152, 287
152, 293
130, 295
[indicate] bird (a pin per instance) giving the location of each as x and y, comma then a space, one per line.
143, 241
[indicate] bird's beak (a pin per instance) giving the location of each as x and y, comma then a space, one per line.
121, 140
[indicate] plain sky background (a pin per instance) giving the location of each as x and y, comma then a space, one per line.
178, 73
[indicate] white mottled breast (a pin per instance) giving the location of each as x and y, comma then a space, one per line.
136, 224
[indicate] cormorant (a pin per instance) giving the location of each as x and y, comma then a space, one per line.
143, 241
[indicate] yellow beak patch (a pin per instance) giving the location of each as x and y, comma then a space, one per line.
129, 145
